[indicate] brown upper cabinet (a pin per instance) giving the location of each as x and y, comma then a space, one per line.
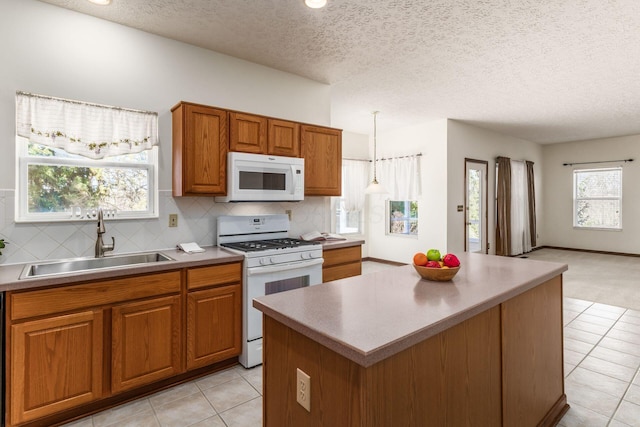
321, 148
203, 135
200, 145
248, 133
284, 138
262, 135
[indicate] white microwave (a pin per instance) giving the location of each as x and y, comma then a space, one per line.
263, 178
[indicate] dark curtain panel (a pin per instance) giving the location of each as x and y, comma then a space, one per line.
503, 207
532, 202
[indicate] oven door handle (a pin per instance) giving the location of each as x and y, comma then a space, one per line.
283, 267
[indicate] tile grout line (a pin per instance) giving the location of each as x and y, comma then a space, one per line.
615, 411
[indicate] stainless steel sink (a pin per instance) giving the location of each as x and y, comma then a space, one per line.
74, 265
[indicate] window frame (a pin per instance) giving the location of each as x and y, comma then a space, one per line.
24, 160
407, 203
576, 200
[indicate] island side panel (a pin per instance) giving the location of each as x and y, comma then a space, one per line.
533, 371
453, 378
335, 381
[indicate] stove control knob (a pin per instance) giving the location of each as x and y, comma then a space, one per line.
271, 261
302, 256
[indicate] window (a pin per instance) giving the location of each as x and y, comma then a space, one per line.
347, 222
349, 209
403, 217
597, 199
75, 157
55, 185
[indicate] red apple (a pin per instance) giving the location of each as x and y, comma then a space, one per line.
450, 260
433, 264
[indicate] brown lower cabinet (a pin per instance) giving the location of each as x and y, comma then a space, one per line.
72, 348
341, 262
145, 340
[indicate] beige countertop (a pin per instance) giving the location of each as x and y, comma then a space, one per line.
371, 317
335, 244
9, 274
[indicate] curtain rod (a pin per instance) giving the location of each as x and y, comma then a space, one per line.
601, 161
384, 158
71, 101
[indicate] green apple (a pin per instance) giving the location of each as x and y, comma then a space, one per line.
433, 255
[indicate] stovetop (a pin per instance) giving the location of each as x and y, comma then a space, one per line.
262, 245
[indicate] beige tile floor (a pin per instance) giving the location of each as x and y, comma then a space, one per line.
602, 358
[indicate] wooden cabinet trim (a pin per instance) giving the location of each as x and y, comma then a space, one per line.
74, 297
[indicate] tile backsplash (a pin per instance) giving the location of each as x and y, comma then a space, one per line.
196, 223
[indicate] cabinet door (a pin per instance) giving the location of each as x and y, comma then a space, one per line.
145, 342
200, 141
214, 319
284, 138
322, 151
248, 133
56, 364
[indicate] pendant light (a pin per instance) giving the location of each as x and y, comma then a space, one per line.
375, 187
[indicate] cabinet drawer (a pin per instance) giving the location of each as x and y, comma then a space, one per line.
341, 256
215, 275
341, 271
73, 297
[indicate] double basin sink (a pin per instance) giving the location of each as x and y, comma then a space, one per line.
51, 268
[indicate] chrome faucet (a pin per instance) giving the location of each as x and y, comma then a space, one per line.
101, 248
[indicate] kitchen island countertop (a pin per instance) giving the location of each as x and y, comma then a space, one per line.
371, 317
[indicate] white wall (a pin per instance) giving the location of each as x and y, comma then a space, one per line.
430, 139
467, 141
558, 194
53, 51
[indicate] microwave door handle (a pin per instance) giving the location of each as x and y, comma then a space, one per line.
294, 180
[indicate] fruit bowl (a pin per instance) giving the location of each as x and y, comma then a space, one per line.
436, 274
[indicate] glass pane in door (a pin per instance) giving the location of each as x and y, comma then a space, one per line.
474, 210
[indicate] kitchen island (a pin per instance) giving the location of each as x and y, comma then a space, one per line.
390, 349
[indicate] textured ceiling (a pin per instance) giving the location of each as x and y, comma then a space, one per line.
541, 70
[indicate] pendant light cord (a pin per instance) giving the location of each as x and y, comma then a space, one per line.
375, 115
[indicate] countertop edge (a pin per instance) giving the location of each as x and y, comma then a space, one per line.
10, 281
369, 358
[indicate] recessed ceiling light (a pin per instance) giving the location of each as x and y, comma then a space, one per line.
315, 4
101, 2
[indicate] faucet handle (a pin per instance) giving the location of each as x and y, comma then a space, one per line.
112, 246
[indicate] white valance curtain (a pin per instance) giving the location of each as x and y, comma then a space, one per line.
90, 130
355, 176
401, 177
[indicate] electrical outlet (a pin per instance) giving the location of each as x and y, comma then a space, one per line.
288, 212
303, 391
173, 220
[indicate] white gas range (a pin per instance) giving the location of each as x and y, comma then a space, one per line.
274, 262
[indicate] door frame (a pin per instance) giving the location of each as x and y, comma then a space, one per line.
486, 206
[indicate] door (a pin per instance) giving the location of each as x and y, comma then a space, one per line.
145, 342
56, 364
214, 319
475, 212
